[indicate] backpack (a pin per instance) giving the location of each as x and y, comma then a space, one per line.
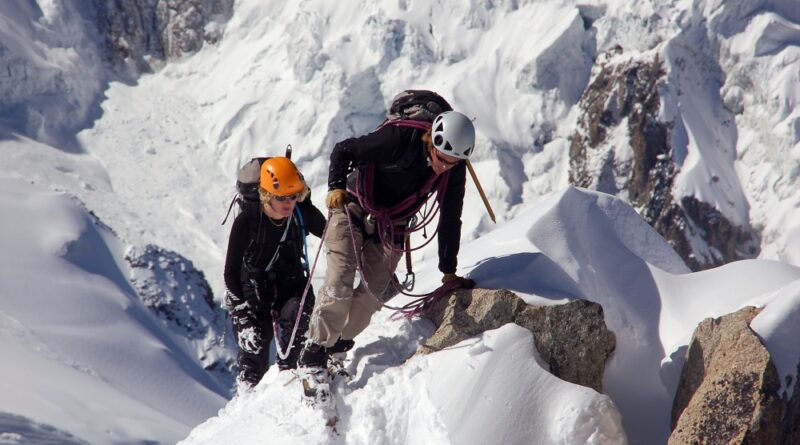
416, 109
248, 180
416, 105
247, 183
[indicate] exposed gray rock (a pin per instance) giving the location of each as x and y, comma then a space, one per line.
729, 388
52, 102
572, 338
179, 295
792, 418
627, 93
18, 429
141, 33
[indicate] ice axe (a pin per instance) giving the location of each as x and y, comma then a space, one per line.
480, 190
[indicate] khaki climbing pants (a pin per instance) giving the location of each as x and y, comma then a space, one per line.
340, 311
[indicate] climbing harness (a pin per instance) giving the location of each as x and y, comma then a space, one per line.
421, 303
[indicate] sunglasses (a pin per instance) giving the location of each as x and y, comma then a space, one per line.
287, 198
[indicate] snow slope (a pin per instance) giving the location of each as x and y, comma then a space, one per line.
494, 388
79, 346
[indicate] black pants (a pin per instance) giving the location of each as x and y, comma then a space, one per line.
267, 301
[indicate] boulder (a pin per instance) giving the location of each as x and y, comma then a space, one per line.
572, 338
729, 387
792, 418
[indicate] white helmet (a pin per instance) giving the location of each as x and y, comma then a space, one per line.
453, 134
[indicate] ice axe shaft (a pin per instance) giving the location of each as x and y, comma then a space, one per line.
480, 190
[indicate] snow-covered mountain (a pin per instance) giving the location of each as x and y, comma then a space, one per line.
496, 389
82, 353
115, 181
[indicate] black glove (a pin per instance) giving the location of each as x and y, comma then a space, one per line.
231, 301
465, 283
248, 332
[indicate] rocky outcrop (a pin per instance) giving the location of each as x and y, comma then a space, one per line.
572, 338
140, 33
19, 429
729, 388
792, 418
179, 295
623, 99
52, 100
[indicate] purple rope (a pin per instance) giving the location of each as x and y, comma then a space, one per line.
419, 125
423, 304
283, 355
401, 211
423, 301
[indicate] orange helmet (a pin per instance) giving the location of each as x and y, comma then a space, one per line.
280, 177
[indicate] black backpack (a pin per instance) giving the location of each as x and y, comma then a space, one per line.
416, 105
416, 109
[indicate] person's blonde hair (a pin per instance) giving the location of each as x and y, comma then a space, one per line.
427, 139
266, 196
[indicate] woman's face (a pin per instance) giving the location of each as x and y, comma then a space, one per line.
281, 206
441, 162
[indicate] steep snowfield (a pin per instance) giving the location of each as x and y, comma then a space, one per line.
762, 86
285, 74
81, 352
154, 161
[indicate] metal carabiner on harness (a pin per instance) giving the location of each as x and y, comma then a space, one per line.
408, 283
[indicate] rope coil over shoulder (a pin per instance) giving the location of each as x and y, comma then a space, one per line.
405, 210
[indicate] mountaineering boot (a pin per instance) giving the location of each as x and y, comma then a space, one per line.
341, 346
313, 374
244, 387
316, 386
247, 379
337, 354
336, 367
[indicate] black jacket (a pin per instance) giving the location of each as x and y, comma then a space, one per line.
252, 244
402, 169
